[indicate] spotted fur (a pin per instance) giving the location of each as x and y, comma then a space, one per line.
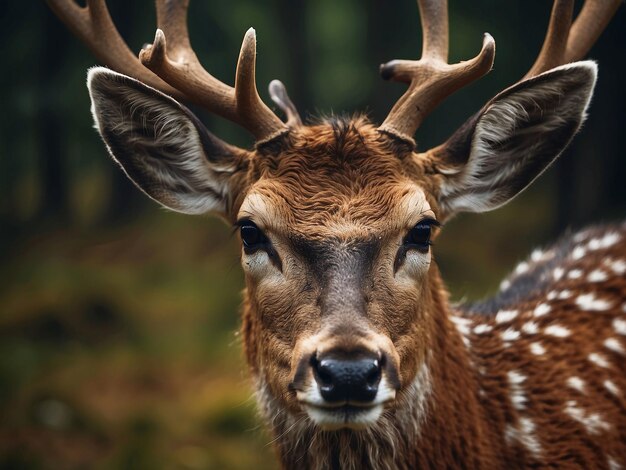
568, 360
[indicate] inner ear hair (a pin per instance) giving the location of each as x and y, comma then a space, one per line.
163, 147
513, 139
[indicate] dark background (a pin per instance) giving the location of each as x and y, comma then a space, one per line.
117, 327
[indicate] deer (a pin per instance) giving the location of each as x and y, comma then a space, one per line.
358, 357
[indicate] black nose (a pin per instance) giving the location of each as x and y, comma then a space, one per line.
342, 380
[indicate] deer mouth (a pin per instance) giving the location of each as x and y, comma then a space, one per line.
346, 416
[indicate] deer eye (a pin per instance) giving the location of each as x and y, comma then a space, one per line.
251, 236
419, 236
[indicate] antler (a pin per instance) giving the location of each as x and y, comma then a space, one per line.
279, 95
431, 79
93, 25
178, 65
565, 42
172, 66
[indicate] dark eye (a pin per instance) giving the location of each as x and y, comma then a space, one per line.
419, 236
251, 236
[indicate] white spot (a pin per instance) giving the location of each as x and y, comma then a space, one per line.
614, 345
482, 329
593, 422
576, 383
536, 255
618, 267
590, 302
462, 324
524, 434
578, 252
606, 241
505, 316
597, 275
611, 387
510, 335
564, 294
504, 285
594, 244
541, 310
521, 268
518, 397
459, 320
575, 274
537, 349
613, 464
557, 331
580, 237
599, 360
558, 273
619, 326
530, 328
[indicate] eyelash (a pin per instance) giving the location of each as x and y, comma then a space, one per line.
411, 242
261, 242
252, 237
420, 234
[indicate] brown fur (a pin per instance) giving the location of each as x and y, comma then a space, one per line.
339, 182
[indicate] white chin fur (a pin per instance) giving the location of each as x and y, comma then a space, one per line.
331, 419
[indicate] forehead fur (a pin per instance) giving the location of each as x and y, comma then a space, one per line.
336, 173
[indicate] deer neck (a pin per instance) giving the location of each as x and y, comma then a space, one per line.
455, 429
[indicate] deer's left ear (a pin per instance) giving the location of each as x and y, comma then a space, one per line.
513, 139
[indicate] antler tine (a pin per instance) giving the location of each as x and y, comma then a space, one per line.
172, 20
279, 95
178, 65
431, 79
435, 35
93, 25
553, 50
176, 62
591, 21
565, 42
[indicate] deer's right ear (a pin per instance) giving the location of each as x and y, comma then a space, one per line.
163, 147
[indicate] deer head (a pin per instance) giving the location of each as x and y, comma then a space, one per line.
344, 308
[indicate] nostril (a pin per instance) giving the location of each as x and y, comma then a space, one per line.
324, 372
374, 375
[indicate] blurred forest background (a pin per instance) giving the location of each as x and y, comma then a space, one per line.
118, 344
